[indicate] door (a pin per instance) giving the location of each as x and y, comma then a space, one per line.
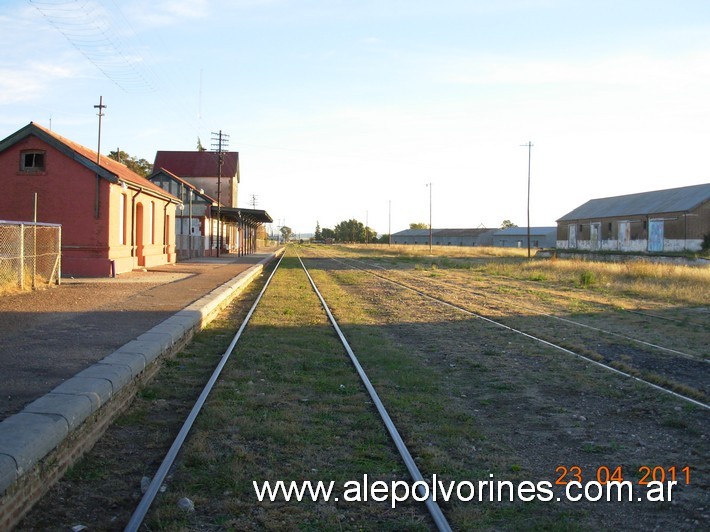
572, 236
655, 235
624, 235
595, 231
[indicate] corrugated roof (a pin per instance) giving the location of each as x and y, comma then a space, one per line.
197, 163
681, 199
523, 231
106, 167
443, 232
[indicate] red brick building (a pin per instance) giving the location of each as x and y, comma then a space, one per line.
113, 220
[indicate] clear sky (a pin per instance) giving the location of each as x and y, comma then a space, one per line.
342, 108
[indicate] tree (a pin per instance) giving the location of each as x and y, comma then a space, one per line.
262, 234
328, 233
139, 166
354, 231
419, 225
286, 233
319, 234
350, 231
507, 224
200, 147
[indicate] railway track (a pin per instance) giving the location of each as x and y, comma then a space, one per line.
472, 399
158, 479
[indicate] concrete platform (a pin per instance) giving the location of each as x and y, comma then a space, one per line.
160, 313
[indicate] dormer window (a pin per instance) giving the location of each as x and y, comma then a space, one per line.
32, 161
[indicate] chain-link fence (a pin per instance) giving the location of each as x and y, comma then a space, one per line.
30, 255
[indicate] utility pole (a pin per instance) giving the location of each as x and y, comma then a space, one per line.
430, 230
389, 223
97, 203
220, 142
529, 145
100, 114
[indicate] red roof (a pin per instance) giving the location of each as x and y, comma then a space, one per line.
197, 163
89, 156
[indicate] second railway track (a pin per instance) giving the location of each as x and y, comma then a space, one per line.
655, 362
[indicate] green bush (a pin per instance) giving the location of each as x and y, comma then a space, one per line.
587, 278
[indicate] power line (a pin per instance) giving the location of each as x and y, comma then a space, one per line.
91, 29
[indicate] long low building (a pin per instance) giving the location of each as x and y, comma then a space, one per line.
675, 219
540, 237
444, 237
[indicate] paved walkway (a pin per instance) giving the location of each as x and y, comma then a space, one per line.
48, 336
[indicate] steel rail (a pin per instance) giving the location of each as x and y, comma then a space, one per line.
150, 494
537, 339
434, 509
655, 316
689, 356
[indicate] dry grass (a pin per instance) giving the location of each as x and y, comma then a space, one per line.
686, 285
9, 282
665, 282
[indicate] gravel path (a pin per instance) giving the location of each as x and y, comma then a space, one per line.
47, 336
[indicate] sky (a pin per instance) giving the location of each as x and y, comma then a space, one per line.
380, 110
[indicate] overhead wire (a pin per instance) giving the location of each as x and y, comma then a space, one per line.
90, 28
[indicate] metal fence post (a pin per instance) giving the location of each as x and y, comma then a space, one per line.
22, 257
34, 256
59, 255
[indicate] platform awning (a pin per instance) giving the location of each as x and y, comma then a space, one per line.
237, 214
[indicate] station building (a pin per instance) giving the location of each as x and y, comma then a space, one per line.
211, 185
113, 220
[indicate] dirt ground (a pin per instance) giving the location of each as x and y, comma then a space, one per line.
47, 336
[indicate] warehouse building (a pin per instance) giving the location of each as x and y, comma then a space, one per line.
675, 219
540, 237
445, 237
